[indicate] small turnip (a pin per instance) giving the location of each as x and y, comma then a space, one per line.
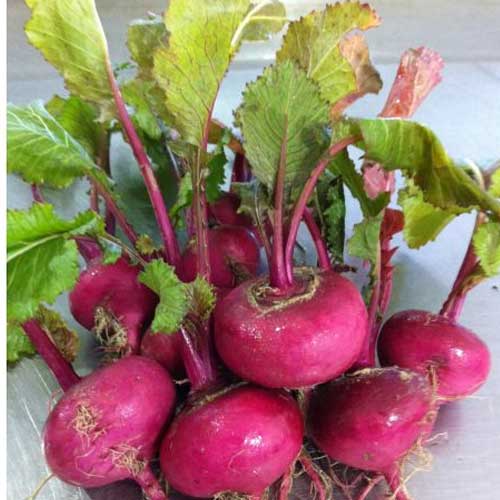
234, 256
224, 211
426, 342
311, 333
166, 349
239, 440
106, 427
110, 300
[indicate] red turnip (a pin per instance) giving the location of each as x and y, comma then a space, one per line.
234, 256
225, 211
370, 420
424, 342
239, 439
106, 427
166, 349
110, 300
310, 334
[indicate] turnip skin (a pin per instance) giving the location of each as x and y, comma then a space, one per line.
166, 349
241, 440
116, 290
371, 419
225, 211
420, 340
117, 410
305, 342
231, 247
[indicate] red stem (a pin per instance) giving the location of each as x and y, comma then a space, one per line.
314, 476
60, 368
94, 199
37, 194
150, 484
241, 172
278, 275
301, 204
117, 214
157, 201
88, 248
319, 243
396, 485
453, 305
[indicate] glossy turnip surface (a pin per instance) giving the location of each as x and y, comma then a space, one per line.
419, 340
239, 440
107, 427
306, 338
114, 294
166, 349
234, 254
370, 419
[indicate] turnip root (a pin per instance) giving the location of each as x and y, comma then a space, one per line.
106, 427
433, 344
234, 256
306, 336
166, 349
372, 419
110, 300
239, 439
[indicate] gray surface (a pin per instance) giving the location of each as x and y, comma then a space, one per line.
464, 111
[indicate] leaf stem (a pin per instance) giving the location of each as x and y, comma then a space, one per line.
306, 193
60, 368
116, 241
37, 194
88, 248
321, 249
155, 195
278, 275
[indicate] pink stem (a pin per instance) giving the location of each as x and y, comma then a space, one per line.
241, 173
453, 305
314, 476
301, 204
157, 201
94, 199
150, 485
396, 485
117, 214
110, 222
37, 194
278, 275
60, 368
319, 243
286, 483
200, 219
88, 248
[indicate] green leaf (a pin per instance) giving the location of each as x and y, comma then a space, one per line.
112, 252
65, 339
201, 298
282, 106
415, 150
70, 36
331, 214
317, 43
365, 240
41, 261
144, 36
173, 305
216, 168
145, 245
184, 199
42, 151
191, 68
79, 119
495, 184
18, 344
342, 165
486, 242
264, 19
423, 221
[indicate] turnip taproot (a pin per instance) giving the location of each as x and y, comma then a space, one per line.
370, 420
426, 342
306, 336
110, 300
106, 427
234, 256
166, 349
239, 439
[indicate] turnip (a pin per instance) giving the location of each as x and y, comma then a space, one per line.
224, 211
234, 256
428, 343
110, 300
239, 439
372, 419
166, 349
106, 427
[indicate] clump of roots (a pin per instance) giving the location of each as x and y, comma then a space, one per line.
86, 422
127, 456
110, 333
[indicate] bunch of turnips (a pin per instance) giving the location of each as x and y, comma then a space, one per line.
275, 361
